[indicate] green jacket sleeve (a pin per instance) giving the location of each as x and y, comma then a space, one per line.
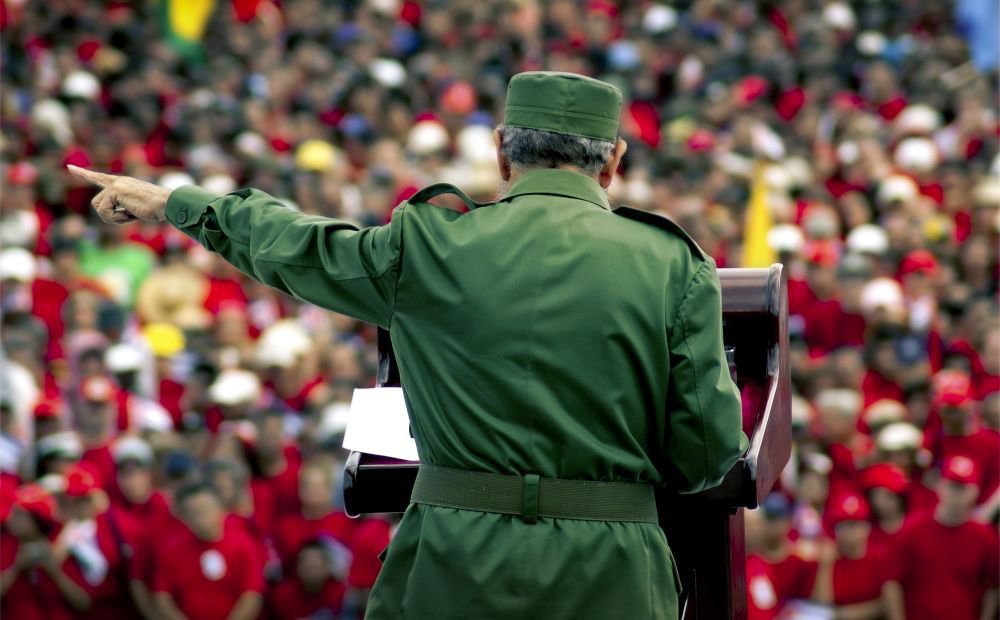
704, 419
320, 260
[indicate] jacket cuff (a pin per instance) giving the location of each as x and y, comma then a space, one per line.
187, 204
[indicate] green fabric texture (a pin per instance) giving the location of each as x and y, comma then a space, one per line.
564, 103
542, 334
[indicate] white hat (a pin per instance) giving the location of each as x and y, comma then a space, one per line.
840, 401
896, 187
884, 412
387, 72
801, 411
839, 16
870, 42
868, 239
219, 184
799, 170
123, 357
659, 18
918, 119
386, 7
917, 155
987, 193
235, 387
54, 484
786, 238
427, 137
17, 264
151, 416
848, 152
173, 180
899, 436
132, 448
475, 144
251, 144
883, 293
81, 85
65, 444
282, 343
776, 177
52, 117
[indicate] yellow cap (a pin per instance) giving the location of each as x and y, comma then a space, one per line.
164, 339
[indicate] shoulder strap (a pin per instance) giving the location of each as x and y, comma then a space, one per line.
663, 223
437, 189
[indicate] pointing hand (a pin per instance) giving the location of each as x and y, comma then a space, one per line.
124, 199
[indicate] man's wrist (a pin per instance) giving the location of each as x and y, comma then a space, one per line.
186, 204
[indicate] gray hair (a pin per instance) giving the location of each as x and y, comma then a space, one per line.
536, 148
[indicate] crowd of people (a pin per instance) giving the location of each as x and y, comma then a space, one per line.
170, 431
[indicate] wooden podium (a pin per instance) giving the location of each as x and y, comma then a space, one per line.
705, 530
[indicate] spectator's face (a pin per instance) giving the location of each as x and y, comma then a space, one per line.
774, 531
955, 419
990, 412
21, 525
837, 425
313, 568
991, 352
851, 535
135, 481
906, 459
957, 498
270, 434
94, 417
885, 504
226, 487
315, 489
203, 514
813, 488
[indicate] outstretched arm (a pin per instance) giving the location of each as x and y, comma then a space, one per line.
320, 260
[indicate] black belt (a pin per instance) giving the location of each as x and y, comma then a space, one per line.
531, 496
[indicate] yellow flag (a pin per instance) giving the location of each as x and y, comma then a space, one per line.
185, 22
756, 251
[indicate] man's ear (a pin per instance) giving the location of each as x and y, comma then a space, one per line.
502, 162
608, 172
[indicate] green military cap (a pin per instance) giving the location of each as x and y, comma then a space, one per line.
564, 103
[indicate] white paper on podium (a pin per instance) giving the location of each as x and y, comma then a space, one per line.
378, 424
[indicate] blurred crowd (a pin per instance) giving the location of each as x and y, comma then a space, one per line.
170, 431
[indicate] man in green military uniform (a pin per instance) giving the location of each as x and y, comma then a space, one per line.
557, 360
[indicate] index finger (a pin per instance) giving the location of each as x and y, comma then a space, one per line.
92, 176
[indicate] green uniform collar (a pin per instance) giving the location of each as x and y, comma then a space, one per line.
559, 182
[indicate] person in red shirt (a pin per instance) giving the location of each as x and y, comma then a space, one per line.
102, 540
885, 486
311, 591
839, 410
369, 541
791, 576
880, 381
960, 433
851, 572
38, 580
316, 519
94, 420
209, 571
249, 506
944, 565
136, 500
275, 463
900, 445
